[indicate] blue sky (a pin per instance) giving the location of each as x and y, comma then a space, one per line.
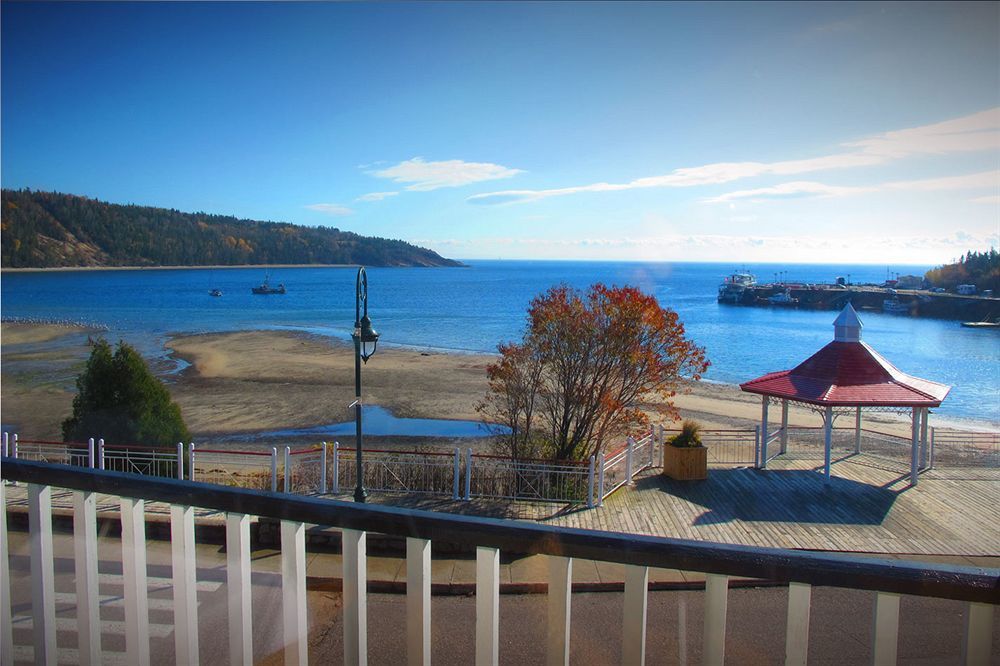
728, 132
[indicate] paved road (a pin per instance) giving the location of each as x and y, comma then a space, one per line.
841, 619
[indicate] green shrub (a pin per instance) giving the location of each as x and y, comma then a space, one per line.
689, 436
119, 399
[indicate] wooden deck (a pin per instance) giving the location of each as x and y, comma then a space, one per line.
868, 507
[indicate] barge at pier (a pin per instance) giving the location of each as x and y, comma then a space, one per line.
742, 289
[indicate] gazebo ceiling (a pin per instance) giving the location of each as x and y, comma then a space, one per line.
849, 373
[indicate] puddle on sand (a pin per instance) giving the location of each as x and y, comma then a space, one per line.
378, 421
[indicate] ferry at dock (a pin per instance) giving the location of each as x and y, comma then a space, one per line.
735, 286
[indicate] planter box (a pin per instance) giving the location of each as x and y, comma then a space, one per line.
685, 464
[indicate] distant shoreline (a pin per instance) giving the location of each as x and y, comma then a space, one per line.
66, 269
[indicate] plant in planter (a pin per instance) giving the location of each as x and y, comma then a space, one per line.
686, 458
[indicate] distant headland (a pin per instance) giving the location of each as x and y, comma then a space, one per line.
54, 230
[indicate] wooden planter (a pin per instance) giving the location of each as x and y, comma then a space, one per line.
685, 463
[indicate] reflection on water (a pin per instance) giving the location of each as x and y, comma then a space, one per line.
378, 421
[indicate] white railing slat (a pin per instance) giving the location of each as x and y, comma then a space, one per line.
88, 614
797, 629
716, 603
487, 606
560, 593
238, 589
293, 592
418, 602
185, 580
133, 517
43, 593
978, 639
634, 620
354, 548
886, 629
6, 621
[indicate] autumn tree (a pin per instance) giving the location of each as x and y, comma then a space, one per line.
589, 367
119, 399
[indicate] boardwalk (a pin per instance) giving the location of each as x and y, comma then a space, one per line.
868, 507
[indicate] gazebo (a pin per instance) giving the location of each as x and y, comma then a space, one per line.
847, 376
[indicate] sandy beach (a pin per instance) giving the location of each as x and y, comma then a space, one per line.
259, 381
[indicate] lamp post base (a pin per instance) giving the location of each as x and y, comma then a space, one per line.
360, 495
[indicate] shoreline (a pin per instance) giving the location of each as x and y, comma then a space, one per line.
67, 269
245, 382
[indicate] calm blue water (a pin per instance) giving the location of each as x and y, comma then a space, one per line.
472, 309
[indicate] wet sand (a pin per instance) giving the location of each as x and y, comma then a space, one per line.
259, 381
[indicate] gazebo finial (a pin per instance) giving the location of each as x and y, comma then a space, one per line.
847, 327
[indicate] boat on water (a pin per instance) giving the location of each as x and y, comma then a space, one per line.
266, 288
734, 287
895, 306
783, 299
215, 292
986, 323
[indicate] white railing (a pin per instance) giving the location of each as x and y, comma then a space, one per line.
503, 478
959, 448
886, 580
388, 471
726, 448
145, 460
239, 469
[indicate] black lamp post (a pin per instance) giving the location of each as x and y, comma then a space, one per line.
365, 342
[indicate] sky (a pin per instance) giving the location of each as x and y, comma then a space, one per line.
840, 133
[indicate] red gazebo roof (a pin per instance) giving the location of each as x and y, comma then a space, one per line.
849, 373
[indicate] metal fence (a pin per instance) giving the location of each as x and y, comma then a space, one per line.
388, 471
958, 448
538, 480
257, 470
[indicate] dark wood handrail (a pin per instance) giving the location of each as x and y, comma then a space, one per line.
824, 569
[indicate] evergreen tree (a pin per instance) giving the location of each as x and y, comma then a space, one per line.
119, 399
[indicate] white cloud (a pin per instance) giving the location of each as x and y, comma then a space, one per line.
985, 179
424, 176
991, 199
976, 132
376, 196
331, 209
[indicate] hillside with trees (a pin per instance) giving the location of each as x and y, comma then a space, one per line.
50, 229
979, 268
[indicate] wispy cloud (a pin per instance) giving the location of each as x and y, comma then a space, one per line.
376, 196
991, 199
331, 209
424, 176
800, 189
976, 132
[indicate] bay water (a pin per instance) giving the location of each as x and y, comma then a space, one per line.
470, 310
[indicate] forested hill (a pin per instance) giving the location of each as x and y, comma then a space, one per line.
49, 229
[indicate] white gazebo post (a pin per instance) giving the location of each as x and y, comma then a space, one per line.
924, 416
827, 435
763, 431
914, 444
857, 430
784, 425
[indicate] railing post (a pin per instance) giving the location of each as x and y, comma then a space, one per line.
716, 602
6, 438
418, 602
756, 447
784, 425
634, 621
239, 589
185, 601
293, 592
274, 469
560, 589
336, 468
322, 467
456, 474
43, 593
353, 547
977, 639
886, 628
88, 613
468, 474
100, 453
191, 461
600, 482
487, 606
134, 573
629, 448
13, 446
857, 431
652, 445
91, 453
288, 469
932, 448
797, 627
180, 460
6, 621
590, 483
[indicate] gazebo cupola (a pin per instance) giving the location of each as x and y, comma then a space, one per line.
847, 375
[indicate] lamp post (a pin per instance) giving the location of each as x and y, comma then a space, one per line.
364, 335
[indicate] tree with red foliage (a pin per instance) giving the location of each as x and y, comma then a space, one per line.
588, 369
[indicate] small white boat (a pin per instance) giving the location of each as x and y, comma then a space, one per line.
215, 292
784, 298
733, 287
